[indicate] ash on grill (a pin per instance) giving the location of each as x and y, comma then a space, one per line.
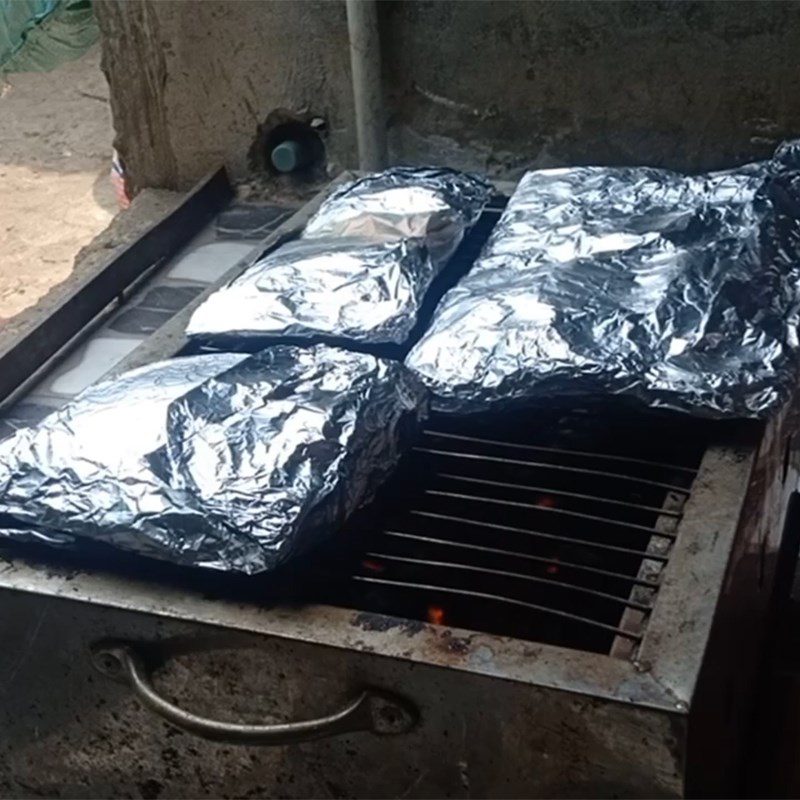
548, 526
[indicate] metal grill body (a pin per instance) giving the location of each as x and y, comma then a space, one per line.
626, 672
573, 602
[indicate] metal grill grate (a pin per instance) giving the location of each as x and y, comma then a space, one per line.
556, 532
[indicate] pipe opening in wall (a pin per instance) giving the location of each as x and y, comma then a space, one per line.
289, 146
293, 147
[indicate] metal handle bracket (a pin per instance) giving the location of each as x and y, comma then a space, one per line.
374, 710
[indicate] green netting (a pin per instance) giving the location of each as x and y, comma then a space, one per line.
38, 35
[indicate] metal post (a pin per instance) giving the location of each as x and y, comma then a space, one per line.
365, 60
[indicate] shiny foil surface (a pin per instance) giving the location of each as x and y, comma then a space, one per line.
680, 291
362, 269
436, 205
357, 289
223, 461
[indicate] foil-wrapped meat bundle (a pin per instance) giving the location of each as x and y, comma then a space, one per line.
362, 269
681, 291
83, 470
436, 205
223, 461
349, 288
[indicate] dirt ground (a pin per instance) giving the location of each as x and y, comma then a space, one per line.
55, 192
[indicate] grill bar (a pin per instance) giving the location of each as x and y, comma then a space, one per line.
507, 574
559, 467
560, 493
630, 579
554, 510
561, 451
501, 599
540, 535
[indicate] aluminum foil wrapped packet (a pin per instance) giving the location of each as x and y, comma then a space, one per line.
225, 461
349, 288
680, 291
436, 205
362, 269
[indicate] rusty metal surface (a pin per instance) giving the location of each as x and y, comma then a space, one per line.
705, 640
68, 732
650, 569
663, 675
726, 686
675, 638
408, 640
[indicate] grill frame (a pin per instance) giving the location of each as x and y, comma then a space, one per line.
721, 563
679, 682
670, 653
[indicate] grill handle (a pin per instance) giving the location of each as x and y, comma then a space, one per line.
373, 710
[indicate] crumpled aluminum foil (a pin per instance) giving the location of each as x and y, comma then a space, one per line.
680, 291
351, 288
83, 470
435, 204
362, 269
222, 461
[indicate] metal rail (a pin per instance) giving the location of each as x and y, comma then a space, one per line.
539, 535
561, 451
501, 573
501, 599
568, 565
559, 493
557, 467
552, 510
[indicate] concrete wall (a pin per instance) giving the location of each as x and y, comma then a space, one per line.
191, 81
497, 86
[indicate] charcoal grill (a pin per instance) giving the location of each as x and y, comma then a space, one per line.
556, 602
558, 537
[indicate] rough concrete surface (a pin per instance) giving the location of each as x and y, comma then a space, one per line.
192, 81
147, 208
495, 86
55, 193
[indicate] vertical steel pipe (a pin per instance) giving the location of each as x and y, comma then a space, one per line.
365, 60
